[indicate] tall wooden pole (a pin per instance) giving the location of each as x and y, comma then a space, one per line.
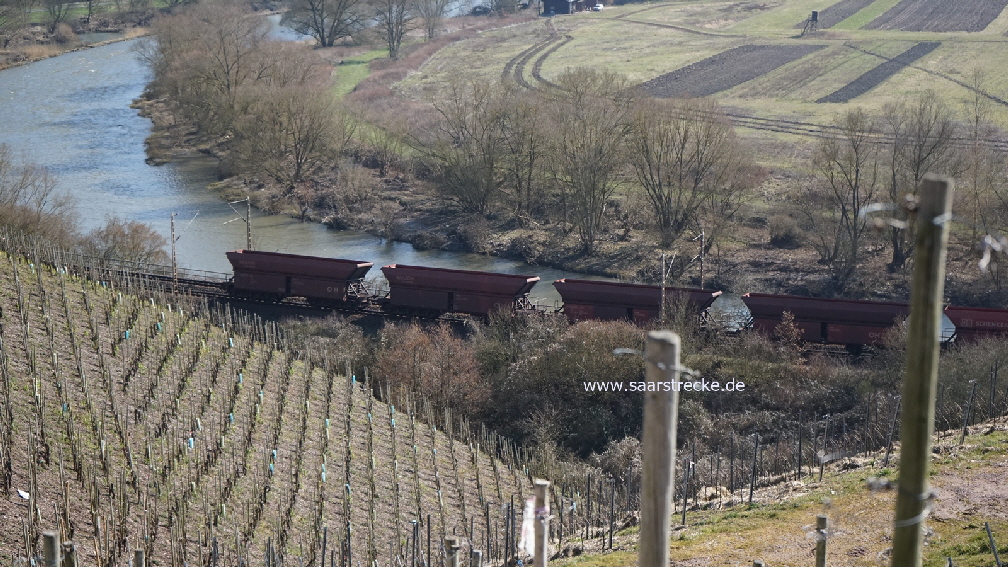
659, 449
542, 515
920, 385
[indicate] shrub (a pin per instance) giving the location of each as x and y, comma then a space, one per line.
784, 232
64, 34
435, 363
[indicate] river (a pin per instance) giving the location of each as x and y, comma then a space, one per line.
71, 114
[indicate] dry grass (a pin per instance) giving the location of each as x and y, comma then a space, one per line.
779, 528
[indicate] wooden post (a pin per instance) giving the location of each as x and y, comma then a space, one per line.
920, 385
476, 558
138, 558
658, 449
70, 557
967, 412
51, 549
820, 534
451, 545
542, 515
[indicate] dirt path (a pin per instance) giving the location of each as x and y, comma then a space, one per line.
537, 66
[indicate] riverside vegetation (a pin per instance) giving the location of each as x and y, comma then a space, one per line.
583, 170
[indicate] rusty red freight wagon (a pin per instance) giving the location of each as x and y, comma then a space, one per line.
835, 321
973, 323
282, 275
613, 301
458, 291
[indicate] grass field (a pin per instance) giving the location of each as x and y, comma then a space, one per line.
646, 41
779, 527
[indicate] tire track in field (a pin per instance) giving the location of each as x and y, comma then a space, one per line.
679, 28
519, 70
537, 66
622, 16
515, 67
509, 67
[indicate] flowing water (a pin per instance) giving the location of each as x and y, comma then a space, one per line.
71, 114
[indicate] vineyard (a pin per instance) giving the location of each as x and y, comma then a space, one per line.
135, 420
132, 419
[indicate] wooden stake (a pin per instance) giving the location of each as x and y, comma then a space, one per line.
451, 545
820, 550
919, 390
658, 449
51, 549
542, 515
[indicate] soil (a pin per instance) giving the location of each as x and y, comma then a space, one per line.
837, 13
939, 15
880, 74
726, 70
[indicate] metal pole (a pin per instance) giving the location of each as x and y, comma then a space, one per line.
967, 412
920, 385
174, 264
659, 449
703, 246
248, 222
661, 308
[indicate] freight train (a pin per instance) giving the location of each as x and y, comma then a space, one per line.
424, 291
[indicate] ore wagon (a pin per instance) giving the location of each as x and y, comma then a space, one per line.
277, 275
973, 323
613, 301
438, 290
833, 321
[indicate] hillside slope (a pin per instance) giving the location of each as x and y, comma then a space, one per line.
128, 421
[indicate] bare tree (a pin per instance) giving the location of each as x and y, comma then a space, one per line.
432, 12
690, 163
589, 111
921, 135
31, 202
524, 141
985, 168
204, 56
394, 18
131, 241
848, 175
467, 153
325, 20
58, 10
286, 134
12, 21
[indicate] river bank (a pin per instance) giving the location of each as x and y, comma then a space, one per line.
36, 43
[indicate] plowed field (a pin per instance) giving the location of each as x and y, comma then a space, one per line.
939, 15
725, 70
879, 74
838, 12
